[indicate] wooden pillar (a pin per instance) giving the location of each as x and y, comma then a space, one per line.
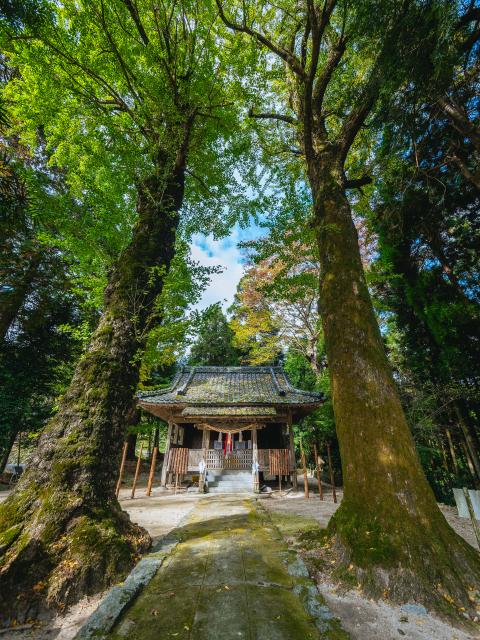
256, 481
152, 471
205, 441
332, 479
304, 465
163, 480
122, 467
319, 476
137, 471
293, 462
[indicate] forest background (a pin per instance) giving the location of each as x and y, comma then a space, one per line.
129, 127
416, 211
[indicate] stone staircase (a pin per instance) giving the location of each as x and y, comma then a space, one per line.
230, 481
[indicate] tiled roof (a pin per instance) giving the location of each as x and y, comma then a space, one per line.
231, 385
228, 411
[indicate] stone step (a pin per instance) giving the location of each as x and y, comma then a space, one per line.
224, 481
232, 490
228, 485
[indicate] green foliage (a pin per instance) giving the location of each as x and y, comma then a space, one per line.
170, 336
214, 343
317, 428
37, 358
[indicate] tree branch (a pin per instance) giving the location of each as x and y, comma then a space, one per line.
272, 116
132, 9
357, 183
333, 60
282, 53
370, 92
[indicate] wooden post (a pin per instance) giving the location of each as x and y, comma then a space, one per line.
202, 476
452, 450
122, 467
137, 471
163, 479
472, 515
256, 482
152, 471
319, 479
332, 480
304, 465
292, 453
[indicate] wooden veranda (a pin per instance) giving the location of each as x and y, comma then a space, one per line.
231, 418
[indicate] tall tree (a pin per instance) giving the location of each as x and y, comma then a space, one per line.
130, 97
213, 345
335, 66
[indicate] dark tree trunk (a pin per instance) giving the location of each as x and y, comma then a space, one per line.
6, 452
11, 301
388, 526
435, 243
469, 435
62, 531
131, 446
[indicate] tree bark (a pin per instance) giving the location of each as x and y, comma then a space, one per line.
13, 299
470, 439
62, 531
451, 448
131, 446
460, 121
388, 525
6, 452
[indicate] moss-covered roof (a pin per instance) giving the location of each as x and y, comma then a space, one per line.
228, 411
230, 386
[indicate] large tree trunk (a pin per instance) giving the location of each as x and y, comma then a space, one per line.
62, 530
388, 526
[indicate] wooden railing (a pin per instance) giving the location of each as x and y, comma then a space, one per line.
241, 459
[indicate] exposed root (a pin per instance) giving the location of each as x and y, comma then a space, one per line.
41, 573
436, 568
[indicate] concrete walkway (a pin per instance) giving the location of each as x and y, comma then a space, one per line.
231, 576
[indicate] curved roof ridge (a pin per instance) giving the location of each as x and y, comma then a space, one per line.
242, 385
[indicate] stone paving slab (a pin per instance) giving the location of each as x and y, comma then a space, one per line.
230, 577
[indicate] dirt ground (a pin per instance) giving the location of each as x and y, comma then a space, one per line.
159, 514
367, 619
362, 618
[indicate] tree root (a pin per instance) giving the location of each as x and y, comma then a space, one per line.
46, 568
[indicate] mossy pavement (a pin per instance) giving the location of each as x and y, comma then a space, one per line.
230, 576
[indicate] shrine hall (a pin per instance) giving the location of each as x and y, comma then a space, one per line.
230, 426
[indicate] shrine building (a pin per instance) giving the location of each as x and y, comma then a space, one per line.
231, 426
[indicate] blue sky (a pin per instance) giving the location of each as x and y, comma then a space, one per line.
225, 253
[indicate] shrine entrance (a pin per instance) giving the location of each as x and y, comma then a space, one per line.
231, 420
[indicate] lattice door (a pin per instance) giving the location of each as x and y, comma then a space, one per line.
279, 462
178, 462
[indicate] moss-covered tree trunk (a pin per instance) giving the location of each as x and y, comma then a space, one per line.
388, 526
62, 531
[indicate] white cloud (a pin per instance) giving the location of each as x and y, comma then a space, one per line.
223, 253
